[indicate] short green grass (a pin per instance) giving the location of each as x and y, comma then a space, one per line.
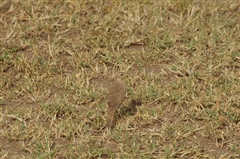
182, 73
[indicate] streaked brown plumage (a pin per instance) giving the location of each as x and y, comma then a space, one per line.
116, 95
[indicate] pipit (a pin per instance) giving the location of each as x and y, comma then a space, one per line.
116, 95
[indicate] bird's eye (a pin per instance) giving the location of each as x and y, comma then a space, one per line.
120, 73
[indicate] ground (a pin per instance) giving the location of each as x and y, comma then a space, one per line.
181, 64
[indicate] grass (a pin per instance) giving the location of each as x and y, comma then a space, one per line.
181, 63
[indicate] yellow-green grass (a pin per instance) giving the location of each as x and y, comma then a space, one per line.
182, 73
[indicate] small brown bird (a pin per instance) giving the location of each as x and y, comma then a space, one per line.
116, 95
